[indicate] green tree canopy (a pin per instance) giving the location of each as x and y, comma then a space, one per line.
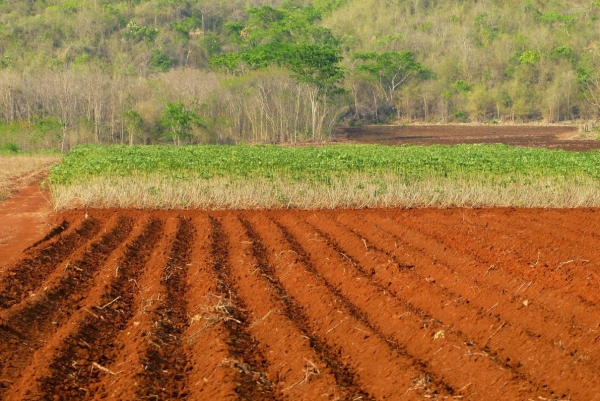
179, 119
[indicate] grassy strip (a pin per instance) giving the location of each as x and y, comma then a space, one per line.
17, 170
262, 177
354, 191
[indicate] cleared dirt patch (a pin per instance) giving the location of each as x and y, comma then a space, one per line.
24, 219
16, 172
361, 304
553, 137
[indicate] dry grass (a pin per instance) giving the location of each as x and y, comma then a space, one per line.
211, 315
16, 171
354, 191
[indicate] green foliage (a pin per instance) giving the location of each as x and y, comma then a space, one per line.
564, 52
317, 66
179, 119
10, 147
40, 134
5, 62
160, 61
461, 86
586, 71
210, 43
285, 24
133, 123
506, 99
70, 6
484, 31
553, 17
140, 33
187, 25
529, 57
322, 163
534, 50
287, 37
391, 69
389, 66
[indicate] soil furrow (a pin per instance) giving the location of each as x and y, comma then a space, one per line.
25, 386
403, 318
460, 308
85, 354
483, 275
328, 358
27, 327
210, 376
553, 255
487, 286
338, 304
164, 373
132, 343
28, 274
57, 230
580, 222
377, 367
252, 381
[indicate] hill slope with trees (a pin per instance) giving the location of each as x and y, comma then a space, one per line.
139, 71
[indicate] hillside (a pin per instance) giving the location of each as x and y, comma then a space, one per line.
491, 60
140, 71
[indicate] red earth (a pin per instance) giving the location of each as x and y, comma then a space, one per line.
554, 137
346, 304
22, 219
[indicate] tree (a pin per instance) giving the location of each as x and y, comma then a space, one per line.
588, 78
133, 123
287, 37
180, 120
390, 70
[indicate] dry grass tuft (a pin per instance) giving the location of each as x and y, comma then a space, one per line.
352, 191
211, 315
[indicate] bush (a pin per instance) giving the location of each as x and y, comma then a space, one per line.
11, 147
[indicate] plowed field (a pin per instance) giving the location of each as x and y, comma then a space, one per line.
552, 137
365, 304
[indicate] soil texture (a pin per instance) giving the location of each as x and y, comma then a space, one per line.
275, 305
553, 137
24, 218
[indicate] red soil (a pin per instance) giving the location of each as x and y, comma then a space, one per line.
23, 219
379, 304
555, 137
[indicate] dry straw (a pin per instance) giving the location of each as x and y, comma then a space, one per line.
351, 191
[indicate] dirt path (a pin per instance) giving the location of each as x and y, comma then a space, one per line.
371, 304
24, 219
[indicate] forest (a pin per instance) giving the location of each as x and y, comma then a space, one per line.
259, 71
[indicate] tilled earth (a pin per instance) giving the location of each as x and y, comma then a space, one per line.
364, 304
552, 137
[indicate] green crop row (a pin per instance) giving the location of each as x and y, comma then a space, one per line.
322, 163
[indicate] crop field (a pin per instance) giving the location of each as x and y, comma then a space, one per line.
110, 297
328, 177
372, 304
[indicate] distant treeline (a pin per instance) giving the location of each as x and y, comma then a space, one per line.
183, 71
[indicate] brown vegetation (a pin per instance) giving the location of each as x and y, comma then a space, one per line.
354, 190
